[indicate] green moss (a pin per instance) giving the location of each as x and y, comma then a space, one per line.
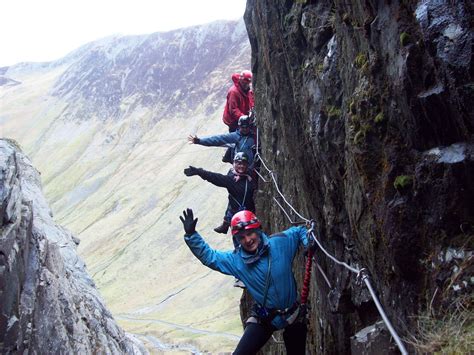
359, 136
355, 118
353, 107
379, 118
361, 133
402, 181
334, 112
320, 68
361, 60
404, 39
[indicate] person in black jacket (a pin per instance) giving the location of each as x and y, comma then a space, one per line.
238, 183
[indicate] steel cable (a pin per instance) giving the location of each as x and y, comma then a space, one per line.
361, 273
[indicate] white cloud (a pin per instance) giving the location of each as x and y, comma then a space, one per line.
42, 30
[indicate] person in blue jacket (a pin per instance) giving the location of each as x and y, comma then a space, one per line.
242, 140
265, 266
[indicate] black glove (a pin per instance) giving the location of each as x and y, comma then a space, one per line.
189, 223
191, 171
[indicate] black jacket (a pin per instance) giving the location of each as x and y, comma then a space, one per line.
240, 192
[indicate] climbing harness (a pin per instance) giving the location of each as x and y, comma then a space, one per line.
241, 205
362, 274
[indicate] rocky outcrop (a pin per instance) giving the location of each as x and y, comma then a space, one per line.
365, 114
48, 303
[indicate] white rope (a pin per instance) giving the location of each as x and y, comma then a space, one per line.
354, 270
260, 176
263, 162
401, 346
284, 199
322, 273
286, 214
272, 175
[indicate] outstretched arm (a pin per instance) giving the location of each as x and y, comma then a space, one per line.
214, 178
216, 260
220, 139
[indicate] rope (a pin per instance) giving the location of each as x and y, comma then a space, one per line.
260, 176
361, 274
284, 211
401, 346
322, 273
354, 270
307, 277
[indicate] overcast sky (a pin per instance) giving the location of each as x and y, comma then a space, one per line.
44, 30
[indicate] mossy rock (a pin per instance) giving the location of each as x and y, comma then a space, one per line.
361, 60
404, 39
402, 182
353, 107
379, 118
359, 136
334, 112
320, 68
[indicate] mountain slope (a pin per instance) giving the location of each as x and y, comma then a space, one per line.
107, 128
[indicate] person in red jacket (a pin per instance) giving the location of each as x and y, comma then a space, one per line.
239, 99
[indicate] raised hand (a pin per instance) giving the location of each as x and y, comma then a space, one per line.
189, 223
193, 139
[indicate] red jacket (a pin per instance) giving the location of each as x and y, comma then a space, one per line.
238, 103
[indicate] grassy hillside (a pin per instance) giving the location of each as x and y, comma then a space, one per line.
118, 185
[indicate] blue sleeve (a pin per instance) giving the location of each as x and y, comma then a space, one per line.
297, 236
217, 260
221, 139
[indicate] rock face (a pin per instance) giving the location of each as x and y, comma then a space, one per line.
48, 302
365, 114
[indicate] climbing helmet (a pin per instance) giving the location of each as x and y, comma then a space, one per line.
246, 75
244, 220
241, 157
244, 121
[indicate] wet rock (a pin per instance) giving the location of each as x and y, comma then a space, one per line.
356, 96
373, 340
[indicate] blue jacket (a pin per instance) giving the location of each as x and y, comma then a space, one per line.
252, 269
242, 143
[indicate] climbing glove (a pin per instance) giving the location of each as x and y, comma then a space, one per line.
189, 223
191, 171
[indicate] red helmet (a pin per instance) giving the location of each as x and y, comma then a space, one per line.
246, 75
244, 220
